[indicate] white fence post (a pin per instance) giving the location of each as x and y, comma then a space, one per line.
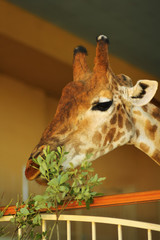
44, 228
93, 231
68, 230
93, 220
149, 234
19, 233
119, 232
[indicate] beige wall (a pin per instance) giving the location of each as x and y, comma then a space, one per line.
24, 113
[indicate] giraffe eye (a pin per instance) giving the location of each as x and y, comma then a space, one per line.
102, 106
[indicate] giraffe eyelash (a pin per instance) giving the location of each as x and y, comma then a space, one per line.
102, 106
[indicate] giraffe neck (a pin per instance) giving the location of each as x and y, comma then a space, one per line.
147, 130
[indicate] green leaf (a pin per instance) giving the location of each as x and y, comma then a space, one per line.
38, 198
48, 149
50, 157
42, 170
38, 236
84, 174
59, 150
44, 166
94, 178
64, 178
63, 189
49, 205
65, 153
1, 214
76, 189
101, 179
40, 160
88, 202
58, 199
23, 226
37, 220
63, 195
79, 203
89, 155
24, 211
71, 165
53, 182
45, 152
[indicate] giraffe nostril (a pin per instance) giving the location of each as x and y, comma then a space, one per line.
37, 152
35, 155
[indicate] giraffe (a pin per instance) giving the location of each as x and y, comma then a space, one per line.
99, 111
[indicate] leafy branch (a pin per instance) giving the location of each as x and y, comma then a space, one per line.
63, 187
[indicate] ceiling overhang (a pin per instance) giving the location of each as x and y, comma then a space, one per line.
40, 53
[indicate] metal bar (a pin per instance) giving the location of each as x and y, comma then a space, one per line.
44, 228
108, 220
25, 189
19, 233
149, 234
68, 230
119, 232
93, 231
93, 219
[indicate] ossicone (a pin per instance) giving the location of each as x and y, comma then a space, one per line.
101, 62
80, 49
102, 38
80, 67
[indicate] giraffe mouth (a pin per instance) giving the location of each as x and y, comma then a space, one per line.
32, 168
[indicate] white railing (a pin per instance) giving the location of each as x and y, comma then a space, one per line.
114, 200
149, 227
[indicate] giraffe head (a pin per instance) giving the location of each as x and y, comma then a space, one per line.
94, 114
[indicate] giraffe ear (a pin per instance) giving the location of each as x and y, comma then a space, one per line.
142, 92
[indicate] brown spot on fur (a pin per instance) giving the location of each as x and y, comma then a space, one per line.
145, 108
118, 107
113, 119
150, 130
134, 120
122, 111
119, 135
144, 147
96, 138
128, 125
104, 128
137, 113
156, 114
125, 80
90, 150
137, 133
120, 121
109, 137
63, 130
156, 156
